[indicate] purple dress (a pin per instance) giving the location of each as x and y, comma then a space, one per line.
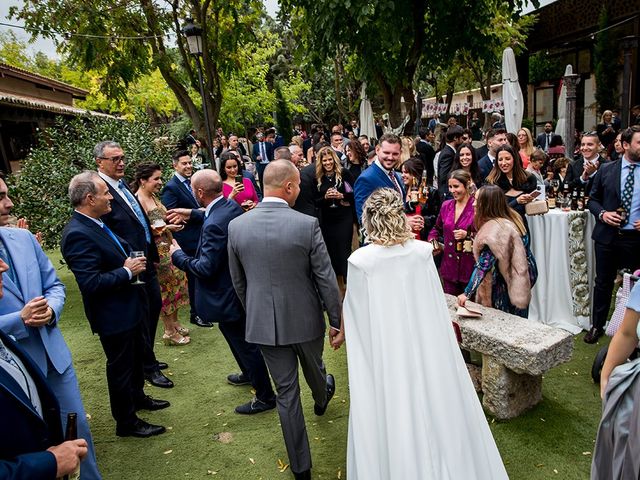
456, 267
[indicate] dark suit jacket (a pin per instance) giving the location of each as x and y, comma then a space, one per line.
427, 154
24, 435
482, 151
175, 195
111, 303
485, 165
574, 172
305, 203
256, 151
605, 195
124, 223
371, 179
445, 162
216, 300
541, 140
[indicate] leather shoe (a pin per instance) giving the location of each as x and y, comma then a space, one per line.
201, 323
157, 379
139, 429
149, 403
255, 406
163, 365
331, 389
593, 335
237, 379
306, 475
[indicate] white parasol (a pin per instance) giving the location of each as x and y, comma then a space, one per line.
511, 92
367, 123
562, 106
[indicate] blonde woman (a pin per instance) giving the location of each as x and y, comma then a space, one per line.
525, 142
406, 374
408, 150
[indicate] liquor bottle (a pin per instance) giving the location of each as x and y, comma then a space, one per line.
71, 433
574, 199
622, 212
423, 190
581, 202
459, 246
551, 197
413, 192
467, 246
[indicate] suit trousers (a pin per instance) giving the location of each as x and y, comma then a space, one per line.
249, 359
125, 376
283, 366
150, 320
623, 252
65, 387
260, 168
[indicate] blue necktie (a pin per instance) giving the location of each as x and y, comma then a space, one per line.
627, 193
115, 239
187, 183
136, 209
4, 255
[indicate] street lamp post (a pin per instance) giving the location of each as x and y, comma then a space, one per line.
194, 40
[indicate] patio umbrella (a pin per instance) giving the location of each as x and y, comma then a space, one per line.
511, 92
367, 123
562, 107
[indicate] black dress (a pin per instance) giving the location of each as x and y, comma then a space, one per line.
337, 221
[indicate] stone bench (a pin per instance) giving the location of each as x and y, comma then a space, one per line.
516, 352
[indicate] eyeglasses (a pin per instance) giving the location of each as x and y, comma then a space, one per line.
115, 160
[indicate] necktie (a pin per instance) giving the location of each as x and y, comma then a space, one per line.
4, 255
135, 206
263, 153
25, 382
187, 183
394, 180
627, 193
546, 148
112, 235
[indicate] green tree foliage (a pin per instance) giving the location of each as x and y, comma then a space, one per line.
605, 60
542, 68
283, 116
39, 192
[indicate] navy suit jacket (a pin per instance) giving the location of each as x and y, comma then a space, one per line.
216, 299
176, 195
574, 172
371, 179
24, 435
256, 151
111, 303
445, 163
605, 195
485, 165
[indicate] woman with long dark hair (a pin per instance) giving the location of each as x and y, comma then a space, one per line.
467, 160
357, 158
411, 172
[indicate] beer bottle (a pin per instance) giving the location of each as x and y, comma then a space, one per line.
581, 202
71, 433
413, 192
551, 197
574, 199
423, 190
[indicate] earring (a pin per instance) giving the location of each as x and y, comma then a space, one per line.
142, 186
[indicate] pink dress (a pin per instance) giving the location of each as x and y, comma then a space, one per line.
249, 193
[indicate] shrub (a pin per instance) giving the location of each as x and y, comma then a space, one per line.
39, 190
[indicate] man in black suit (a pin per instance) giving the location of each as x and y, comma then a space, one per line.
31, 445
427, 153
495, 138
129, 221
215, 296
262, 154
544, 139
177, 193
581, 172
445, 160
113, 304
616, 188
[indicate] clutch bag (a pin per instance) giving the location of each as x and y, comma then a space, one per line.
536, 208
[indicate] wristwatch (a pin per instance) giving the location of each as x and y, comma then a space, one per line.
601, 214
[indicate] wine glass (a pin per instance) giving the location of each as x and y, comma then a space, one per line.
137, 254
332, 180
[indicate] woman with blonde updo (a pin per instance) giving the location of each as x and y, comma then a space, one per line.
406, 373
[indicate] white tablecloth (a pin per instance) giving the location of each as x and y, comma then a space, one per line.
562, 246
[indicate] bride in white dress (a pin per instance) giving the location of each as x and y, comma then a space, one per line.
414, 412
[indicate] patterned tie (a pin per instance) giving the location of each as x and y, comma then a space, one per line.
6, 258
627, 193
394, 180
115, 239
135, 206
6, 355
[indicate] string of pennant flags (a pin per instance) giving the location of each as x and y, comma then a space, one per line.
488, 106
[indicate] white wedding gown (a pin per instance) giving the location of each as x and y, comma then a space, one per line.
414, 412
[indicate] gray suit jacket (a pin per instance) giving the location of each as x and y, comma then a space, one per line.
281, 270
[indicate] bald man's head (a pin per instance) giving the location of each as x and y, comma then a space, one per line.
206, 185
282, 179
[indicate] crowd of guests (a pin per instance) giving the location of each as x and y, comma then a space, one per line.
143, 250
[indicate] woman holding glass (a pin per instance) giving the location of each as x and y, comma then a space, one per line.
173, 282
411, 172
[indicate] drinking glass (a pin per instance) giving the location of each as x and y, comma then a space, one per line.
137, 254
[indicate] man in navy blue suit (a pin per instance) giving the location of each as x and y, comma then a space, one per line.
381, 174
128, 220
495, 139
177, 193
263, 153
216, 298
616, 188
114, 306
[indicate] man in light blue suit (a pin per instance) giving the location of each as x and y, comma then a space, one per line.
29, 312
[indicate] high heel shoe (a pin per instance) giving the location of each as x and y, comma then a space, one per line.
184, 331
175, 340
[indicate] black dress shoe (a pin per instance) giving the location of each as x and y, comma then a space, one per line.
150, 403
157, 379
139, 429
306, 475
237, 379
162, 366
331, 389
255, 406
201, 323
593, 335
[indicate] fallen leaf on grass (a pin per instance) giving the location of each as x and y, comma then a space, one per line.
540, 465
88, 416
586, 454
211, 472
253, 462
555, 471
339, 474
167, 452
282, 466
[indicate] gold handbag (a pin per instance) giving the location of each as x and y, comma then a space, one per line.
536, 208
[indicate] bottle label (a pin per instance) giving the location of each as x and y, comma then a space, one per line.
552, 202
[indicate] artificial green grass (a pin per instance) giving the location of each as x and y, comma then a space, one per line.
553, 440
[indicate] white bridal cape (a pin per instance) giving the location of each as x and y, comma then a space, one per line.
414, 412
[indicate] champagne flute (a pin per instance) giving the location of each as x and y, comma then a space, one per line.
137, 254
332, 180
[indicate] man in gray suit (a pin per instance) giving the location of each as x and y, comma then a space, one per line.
282, 288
